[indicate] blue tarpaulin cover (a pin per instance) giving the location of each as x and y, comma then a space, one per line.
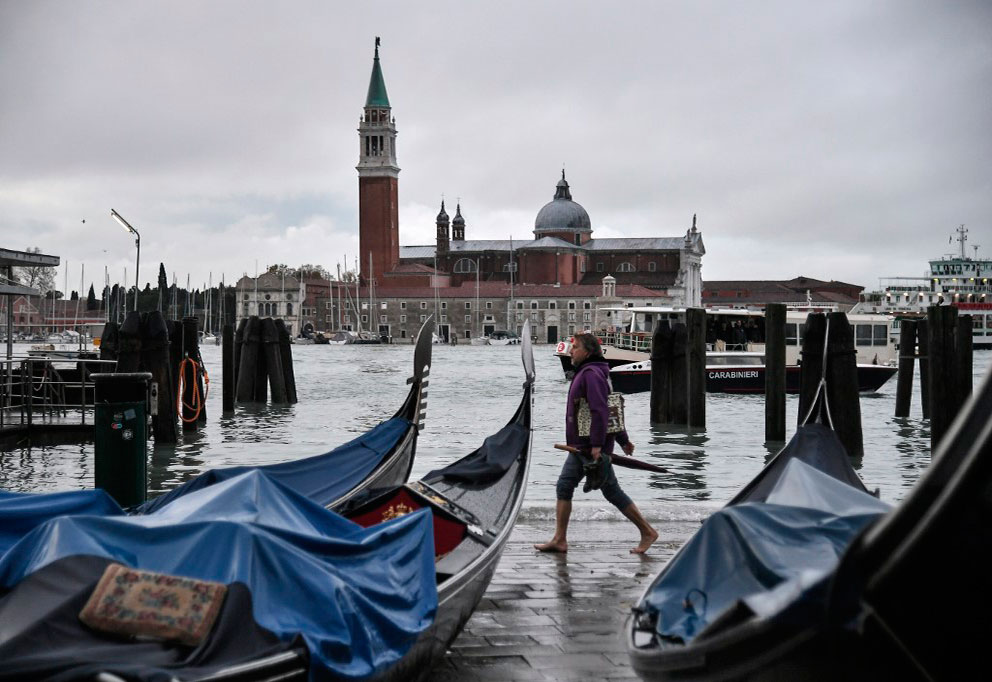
764, 554
323, 478
358, 596
21, 512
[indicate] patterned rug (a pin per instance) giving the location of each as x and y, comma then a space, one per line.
138, 603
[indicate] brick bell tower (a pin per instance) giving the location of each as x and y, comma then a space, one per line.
378, 195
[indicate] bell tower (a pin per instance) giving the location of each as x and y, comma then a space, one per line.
378, 194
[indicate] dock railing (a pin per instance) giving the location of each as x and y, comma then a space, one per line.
46, 391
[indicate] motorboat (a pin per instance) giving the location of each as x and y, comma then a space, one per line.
740, 372
503, 338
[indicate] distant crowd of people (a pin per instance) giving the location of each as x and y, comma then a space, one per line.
722, 334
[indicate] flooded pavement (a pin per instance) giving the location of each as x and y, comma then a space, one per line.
560, 616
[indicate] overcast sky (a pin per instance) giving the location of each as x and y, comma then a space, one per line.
837, 140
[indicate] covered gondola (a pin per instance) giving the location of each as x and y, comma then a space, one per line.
473, 504
804, 575
382, 456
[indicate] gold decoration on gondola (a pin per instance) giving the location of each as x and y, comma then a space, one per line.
396, 511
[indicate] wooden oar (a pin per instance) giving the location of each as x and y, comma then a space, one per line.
619, 460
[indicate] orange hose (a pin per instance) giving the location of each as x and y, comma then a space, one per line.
198, 401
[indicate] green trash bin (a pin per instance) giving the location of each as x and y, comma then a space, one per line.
121, 435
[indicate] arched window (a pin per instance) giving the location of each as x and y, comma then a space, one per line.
652, 266
289, 308
625, 267
464, 265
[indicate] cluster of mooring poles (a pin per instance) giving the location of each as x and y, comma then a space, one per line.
678, 373
943, 343
159, 369
262, 360
169, 351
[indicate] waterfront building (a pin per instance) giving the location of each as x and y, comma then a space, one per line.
463, 312
270, 295
562, 253
799, 292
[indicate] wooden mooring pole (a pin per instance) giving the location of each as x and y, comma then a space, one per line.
155, 345
661, 358
841, 374
695, 320
842, 384
775, 372
227, 367
923, 346
907, 364
286, 353
942, 327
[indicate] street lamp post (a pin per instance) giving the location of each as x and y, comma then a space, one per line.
137, 243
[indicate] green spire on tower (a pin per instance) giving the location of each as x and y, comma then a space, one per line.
377, 96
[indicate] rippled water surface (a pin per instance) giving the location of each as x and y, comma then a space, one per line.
344, 390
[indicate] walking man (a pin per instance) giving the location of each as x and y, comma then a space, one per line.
590, 383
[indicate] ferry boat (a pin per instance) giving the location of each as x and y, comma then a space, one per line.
740, 372
951, 280
734, 360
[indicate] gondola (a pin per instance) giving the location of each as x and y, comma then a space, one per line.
394, 577
473, 504
878, 603
382, 456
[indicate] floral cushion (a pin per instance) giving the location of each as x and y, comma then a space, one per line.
128, 601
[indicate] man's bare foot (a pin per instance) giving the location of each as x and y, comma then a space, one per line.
647, 539
559, 547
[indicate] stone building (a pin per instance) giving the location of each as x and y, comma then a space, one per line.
462, 312
271, 295
562, 253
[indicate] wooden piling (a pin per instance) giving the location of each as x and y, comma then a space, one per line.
775, 372
942, 329
923, 348
661, 357
227, 367
811, 369
695, 320
286, 353
190, 375
965, 359
175, 356
239, 340
907, 365
679, 375
261, 369
842, 384
273, 361
129, 343
245, 392
155, 360
109, 341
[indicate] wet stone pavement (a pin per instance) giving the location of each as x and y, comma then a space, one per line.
559, 617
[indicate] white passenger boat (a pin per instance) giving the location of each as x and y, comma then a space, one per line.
951, 280
735, 337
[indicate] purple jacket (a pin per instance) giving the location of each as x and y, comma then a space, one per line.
590, 382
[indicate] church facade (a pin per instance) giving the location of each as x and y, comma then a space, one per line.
562, 253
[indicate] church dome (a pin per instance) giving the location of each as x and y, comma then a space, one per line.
562, 214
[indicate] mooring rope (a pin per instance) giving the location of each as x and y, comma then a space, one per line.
821, 388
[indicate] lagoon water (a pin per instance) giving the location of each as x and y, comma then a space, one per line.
344, 390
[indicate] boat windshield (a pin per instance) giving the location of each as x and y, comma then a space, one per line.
734, 360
